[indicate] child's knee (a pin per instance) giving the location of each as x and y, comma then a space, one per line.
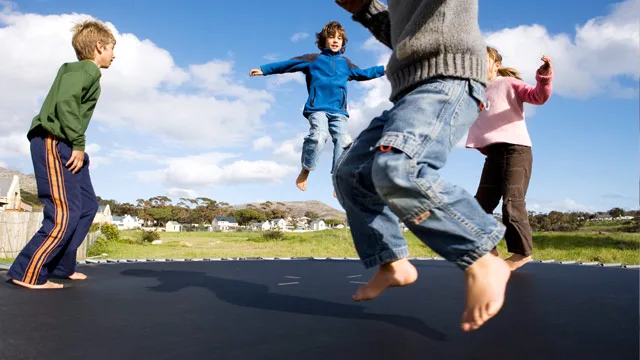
318, 135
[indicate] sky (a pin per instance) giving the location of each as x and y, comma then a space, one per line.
179, 115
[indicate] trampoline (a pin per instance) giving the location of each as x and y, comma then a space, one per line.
301, 309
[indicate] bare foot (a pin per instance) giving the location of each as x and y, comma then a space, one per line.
398, 273
47, 285
516, 261
486, 285
301, 181
334, 194
78, 276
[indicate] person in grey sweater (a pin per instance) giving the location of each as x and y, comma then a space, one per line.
390, 173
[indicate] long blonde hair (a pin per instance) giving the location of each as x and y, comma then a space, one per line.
502, 71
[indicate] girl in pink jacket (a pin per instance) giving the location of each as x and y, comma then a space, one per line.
500, 132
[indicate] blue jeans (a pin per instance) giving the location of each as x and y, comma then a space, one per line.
391, 174
322, 125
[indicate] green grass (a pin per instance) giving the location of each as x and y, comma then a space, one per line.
579, 246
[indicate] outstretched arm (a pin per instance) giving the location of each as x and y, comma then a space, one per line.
299, 63
540, 93
373, 15
359, 74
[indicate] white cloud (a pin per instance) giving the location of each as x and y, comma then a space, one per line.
213, 169
274, 81
92, 149
264, 142
144, 90
299, 36
3, 164
579, 64
182, 193
13, 144
589, 63
374, 101
566, 205
290, 151
271, 57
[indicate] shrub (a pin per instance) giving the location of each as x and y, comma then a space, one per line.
272, 235
110, 232
150, 236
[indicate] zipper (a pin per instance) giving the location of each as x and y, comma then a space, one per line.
333, 70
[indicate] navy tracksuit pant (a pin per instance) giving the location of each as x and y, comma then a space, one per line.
70, 205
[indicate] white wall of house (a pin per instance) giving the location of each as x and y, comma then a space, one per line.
173, 226
224, 224
318, 225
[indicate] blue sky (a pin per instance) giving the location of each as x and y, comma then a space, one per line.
179, 115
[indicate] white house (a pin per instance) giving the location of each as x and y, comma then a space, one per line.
126, 222
280, 224
318, 225
104, 215
265, 226
10, 199
173, 226
221, 223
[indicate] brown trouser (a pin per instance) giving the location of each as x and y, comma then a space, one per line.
506, 174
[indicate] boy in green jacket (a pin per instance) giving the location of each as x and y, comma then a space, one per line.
61, 167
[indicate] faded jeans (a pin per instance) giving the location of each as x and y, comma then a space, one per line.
323, 124
391, 174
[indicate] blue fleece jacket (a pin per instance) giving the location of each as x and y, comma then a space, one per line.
326, 74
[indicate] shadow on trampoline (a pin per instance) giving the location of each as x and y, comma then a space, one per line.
251, 295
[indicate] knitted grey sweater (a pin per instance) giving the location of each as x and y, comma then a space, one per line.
429, 38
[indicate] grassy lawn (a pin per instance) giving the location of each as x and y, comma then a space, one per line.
579, 246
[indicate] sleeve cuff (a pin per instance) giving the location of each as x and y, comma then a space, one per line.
368, 11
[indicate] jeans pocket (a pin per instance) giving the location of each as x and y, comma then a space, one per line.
477, 92
405, 143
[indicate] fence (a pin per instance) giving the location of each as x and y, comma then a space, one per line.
17, 228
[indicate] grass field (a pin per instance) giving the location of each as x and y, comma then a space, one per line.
587, 246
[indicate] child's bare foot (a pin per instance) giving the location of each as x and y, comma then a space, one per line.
398, 273
78, 276
486, 285
47, 285
301, 181
516, 261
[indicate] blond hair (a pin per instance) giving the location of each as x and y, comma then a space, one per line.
85, 36
502, 71
332, 28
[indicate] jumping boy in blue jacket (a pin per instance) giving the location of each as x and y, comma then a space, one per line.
326, 75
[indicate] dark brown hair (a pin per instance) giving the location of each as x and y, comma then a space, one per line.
329, 30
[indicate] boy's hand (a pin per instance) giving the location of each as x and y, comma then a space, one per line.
351, 6
75, 161
255, 72
545, 69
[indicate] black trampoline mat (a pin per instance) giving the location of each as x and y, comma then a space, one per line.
302, 309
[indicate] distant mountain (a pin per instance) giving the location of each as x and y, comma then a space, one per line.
298, 208
27, 182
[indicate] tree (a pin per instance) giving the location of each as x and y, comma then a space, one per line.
162, 215
312, 215
333, 222
616, 212
276, 214
247, 216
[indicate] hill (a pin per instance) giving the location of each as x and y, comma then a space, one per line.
298, 208
27, 182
